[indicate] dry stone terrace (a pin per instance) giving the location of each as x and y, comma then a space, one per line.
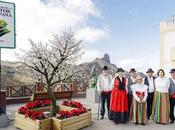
97, 124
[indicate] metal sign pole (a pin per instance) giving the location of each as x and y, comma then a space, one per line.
8, 42
0, 76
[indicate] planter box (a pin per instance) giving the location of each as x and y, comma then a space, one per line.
72, 123
26, 123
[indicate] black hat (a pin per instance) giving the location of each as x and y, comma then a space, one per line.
132, 70
149, 70
105, 68
172, 71
120, 70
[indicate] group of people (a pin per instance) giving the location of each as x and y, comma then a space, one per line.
137, 99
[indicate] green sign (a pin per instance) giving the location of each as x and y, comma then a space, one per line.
7, 25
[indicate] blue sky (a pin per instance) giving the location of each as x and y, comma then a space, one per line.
134, 29
128, 30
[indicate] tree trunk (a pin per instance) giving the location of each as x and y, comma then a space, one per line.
53, 110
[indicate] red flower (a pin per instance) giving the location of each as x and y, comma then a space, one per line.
47, 102
34, 115
82, 110
75, 112
30, 105
72, 104
34, 104
64, 114
37, 103
28, 113
22, 110
26, 110
78, 105
37, 115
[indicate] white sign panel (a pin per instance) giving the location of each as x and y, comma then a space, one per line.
7, 25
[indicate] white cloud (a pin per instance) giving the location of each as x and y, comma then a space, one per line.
92, 35
127, 64
38, 20
90, 55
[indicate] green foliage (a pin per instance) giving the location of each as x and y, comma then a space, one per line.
93, 80
3, 29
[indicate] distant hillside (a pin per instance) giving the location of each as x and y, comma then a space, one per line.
14, 73
98, 64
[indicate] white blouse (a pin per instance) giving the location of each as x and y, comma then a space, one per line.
162, 84
139, 88
103, 83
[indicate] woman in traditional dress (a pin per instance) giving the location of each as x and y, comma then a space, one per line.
138, 112
160, 111
119, 100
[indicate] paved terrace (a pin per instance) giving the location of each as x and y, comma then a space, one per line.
99, 124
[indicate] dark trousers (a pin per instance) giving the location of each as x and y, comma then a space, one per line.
130, 96
105, 97
172, 105
149, 104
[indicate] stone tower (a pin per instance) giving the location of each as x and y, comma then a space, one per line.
167, 44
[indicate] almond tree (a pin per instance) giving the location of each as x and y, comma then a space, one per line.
54, 60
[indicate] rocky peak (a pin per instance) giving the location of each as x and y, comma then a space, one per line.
106, 58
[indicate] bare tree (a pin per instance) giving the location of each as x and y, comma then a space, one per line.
54, 60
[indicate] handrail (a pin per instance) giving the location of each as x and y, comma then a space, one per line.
28, 90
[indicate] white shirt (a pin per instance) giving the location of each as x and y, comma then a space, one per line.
133, 80
151, 84
139, 88
103, 83
173, 80
162, 84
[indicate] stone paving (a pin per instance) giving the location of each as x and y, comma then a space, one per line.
99, 124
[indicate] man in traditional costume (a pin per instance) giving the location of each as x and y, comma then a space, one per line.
138, 113
104, 89
131, 81
119, 99
172, 95
149, 80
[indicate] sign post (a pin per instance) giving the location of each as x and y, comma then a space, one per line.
7, 36
7, 25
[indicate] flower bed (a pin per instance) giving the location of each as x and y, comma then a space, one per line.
26, 123
29, 118
38, 104
71, 103
74, 119
69, 117
72, 123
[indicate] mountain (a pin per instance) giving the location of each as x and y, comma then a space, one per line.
14, 73
98, 64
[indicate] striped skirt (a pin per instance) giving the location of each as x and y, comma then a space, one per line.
138, 112
160, 110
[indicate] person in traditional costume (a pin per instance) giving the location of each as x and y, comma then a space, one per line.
149, 80
172, 95
130, 81
138, 113
104, 89
119, 99
160, 111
